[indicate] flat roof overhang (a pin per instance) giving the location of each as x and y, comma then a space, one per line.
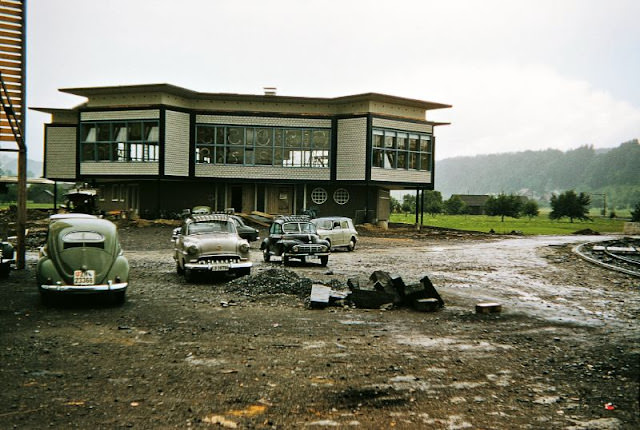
190, 94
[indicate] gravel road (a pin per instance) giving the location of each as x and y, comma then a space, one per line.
564, 352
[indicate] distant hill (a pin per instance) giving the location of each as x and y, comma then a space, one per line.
9, 166
614, 171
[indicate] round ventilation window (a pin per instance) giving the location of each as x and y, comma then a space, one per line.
319, 196
341, 196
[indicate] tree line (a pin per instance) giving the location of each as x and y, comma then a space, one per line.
568, 204
540, 174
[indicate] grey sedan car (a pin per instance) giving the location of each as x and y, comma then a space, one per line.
210, 244
338, 231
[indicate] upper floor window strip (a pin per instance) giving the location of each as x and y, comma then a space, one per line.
120, 141
394, 149
262, 146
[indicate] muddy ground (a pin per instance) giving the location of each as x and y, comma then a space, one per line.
563, 354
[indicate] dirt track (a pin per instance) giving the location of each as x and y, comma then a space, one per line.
202, 355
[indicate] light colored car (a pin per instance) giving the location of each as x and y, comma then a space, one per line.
210, 244
338, 231
82, 255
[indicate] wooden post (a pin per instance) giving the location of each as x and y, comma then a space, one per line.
21, 217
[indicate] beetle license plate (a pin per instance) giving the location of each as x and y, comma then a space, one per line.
219, 267
84, 278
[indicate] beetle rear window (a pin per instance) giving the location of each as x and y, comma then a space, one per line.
77, 239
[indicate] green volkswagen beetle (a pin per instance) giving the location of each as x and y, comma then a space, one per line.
82, 255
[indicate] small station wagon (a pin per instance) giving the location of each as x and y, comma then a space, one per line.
82, 255
338, 231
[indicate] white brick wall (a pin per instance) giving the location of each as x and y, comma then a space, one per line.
262, 172
61, 152
401, 125
109, 168
176, 161
120, 114
352, 149
262, 121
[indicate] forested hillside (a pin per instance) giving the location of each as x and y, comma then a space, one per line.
539, 173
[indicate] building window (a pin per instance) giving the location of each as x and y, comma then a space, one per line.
319, 196
341, 196
262, 146
120, 141
401, 150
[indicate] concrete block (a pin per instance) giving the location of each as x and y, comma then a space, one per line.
488, 308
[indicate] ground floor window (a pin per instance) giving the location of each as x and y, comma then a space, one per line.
394, 149
262, 146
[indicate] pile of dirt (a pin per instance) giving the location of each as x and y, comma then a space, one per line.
271, 281
586, 232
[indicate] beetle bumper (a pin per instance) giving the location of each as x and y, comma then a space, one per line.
80, 289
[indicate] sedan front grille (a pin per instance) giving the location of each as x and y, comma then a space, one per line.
310, 248
222, 259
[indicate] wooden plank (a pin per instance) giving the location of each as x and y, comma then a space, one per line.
11, 76
263, 214
11, 56
7, 138
13, 87
11, 42
11, 65
17, 18
11, 35
17, 49
4, 8
10, 26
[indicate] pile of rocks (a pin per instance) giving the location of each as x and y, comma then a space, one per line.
272, 281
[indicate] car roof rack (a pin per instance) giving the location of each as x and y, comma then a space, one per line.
294, 218
210, 217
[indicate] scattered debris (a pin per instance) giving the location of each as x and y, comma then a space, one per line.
382, 291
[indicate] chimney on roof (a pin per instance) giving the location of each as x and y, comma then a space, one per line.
269, 91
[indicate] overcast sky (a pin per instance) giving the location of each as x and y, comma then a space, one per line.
521, 75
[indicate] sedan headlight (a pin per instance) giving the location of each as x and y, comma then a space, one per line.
296, 248
192, 250
244, 247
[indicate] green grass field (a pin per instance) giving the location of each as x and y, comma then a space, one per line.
540, 225
30, 205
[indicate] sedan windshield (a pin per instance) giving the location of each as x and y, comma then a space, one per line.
299, 227
211, 227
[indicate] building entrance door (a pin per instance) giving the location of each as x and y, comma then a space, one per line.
280, 200
236, 198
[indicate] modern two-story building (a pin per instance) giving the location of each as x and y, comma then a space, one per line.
157, 149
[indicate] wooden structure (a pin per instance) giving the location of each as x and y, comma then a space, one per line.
13, 99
